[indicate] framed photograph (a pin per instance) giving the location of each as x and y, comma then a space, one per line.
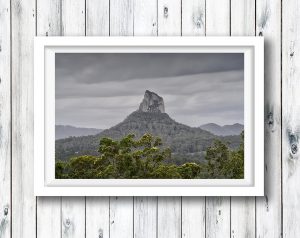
149, 116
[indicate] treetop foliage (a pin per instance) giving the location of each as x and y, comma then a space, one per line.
146, 158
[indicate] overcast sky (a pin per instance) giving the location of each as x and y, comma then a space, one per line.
100, 90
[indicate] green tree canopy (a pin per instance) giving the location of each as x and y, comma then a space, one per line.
147, 158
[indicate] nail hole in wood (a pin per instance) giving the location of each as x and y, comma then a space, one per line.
5, 210
100, 233
166, 12
294, 149
270, 120
68, 222
264, 18
267, 203
293, 140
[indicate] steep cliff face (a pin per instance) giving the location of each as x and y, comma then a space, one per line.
152, 103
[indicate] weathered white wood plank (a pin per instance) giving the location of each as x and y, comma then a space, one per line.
121, 208
169, 208
97, 208
145, 217
48, 217
169, 17
268, 208
290, 117
242, 18
193, 17
48, 208
145, 208
97, 217
23, 200
193, 208
218, 17
193, 217
242, 208
145, 18
73, 17
121, 17
73, 209
121, 217
169, 217
48, 18
73, 217
218, 208
97, 17
5, 120
217, 217
242, 217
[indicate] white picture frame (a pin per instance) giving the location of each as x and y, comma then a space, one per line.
45, 183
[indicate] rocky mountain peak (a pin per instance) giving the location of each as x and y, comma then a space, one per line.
152, 103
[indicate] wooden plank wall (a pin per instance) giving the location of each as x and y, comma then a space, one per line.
274, 215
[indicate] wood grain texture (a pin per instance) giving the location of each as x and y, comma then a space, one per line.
23, 200
242, 217
145, 18
48, 215
145, 208
121, 17
218, 17
73, 17
121, 217
193, 208
148, 217
145, 217
242, 208
268, 208
218, 208
73, 209
48, 19
290, 117
193, 217
169, 208
97, 17
169, 217
169, 17
193, 17
97, 208
48, 223
5, 120
73, 217
217, 217
121, 208
242, 18
97, 217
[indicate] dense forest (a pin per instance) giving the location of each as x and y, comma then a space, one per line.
147, 158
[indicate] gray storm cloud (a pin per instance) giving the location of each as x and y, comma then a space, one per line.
100, 90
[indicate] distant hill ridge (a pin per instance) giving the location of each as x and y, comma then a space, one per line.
225, 130
186, 143
65, 131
